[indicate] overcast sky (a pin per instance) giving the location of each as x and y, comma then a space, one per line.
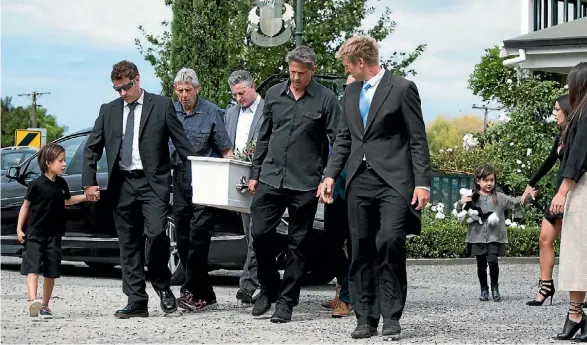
68, 47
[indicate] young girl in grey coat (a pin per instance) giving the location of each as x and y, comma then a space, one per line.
486, 240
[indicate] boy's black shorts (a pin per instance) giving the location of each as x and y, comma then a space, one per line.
42, 256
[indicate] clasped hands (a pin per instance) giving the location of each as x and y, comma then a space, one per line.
92, 193
325, 194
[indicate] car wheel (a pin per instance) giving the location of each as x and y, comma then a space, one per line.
175, 266
101, 266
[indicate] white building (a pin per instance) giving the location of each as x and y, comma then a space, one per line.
553, 36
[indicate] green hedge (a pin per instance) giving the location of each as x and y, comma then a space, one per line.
445, 238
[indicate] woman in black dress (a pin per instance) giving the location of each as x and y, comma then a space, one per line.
551, 223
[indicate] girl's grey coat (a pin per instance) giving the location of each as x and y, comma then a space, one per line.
483, 233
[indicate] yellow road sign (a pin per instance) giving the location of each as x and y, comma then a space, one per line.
27, 137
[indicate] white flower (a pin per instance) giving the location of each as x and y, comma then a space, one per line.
440, 216
518, 161
519, 170
528, 152
441, 150
503, 117
440, 205
566, 86
523, 165
428, 205
469, 142
509, 81
508, 222
511, 144
523, 226
449, 150
454, 212
434, 209
514, 225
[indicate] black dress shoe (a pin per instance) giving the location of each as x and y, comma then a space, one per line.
282, 314
364, 331
244, 296
391, 329
262, 305
131, 311
168, 301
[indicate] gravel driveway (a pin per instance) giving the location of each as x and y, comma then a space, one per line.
442, 307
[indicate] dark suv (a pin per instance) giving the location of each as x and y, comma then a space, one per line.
90, 233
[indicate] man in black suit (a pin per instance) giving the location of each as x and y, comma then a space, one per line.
134, 130
381, 133
243, 122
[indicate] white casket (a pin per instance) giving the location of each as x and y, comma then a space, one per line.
219, 182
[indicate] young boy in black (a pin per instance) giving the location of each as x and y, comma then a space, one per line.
46, 198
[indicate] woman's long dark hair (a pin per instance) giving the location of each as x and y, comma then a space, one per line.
483, 172
565, 106
577, 81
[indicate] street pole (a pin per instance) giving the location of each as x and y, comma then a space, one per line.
34, 95
299, 23
487, 109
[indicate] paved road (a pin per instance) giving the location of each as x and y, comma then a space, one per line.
442, 307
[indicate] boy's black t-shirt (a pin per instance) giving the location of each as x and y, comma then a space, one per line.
47, 210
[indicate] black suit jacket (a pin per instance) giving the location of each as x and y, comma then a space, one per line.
158, 124
393, 142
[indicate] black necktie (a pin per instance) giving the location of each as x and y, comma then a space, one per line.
126, 156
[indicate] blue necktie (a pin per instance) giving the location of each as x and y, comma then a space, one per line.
126, 156
364, 103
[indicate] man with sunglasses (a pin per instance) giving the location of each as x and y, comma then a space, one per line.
243, 122
203, 123
134, 130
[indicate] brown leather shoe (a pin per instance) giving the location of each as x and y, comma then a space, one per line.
340, 309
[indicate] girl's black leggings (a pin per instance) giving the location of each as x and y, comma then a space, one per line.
482, 262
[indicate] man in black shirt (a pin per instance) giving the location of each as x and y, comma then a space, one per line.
287, 166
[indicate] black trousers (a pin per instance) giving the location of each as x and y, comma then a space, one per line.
140, 215
377, 219
194, 225
336, 228
267, 208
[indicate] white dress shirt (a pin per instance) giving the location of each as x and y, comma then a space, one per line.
136, 157
243, 126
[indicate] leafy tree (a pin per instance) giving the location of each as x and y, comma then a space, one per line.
14, 118
444, 131
210, 36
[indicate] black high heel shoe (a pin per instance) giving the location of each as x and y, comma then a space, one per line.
571, 327
546, 290
583, 336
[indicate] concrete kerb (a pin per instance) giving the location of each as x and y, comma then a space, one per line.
471, 261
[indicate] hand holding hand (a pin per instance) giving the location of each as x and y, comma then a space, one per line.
529, 191
92, 193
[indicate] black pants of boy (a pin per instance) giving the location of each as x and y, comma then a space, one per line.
193, 227
482, 262
267, 208
42, 255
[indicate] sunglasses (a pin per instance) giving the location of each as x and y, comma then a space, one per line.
124, 87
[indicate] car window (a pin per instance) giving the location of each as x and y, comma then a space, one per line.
71, 146
74, 155
11, 159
